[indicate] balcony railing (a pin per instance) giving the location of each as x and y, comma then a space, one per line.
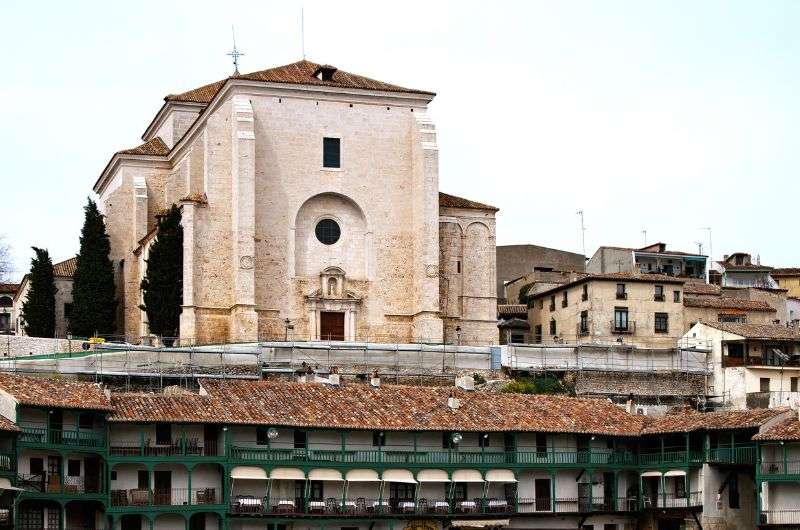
780, 467
164, 497
364, 507
671, 457
623, 328
76, 438
53, 484
693, 499
741, 454
182, 448
527, 458
781, 517
7, 462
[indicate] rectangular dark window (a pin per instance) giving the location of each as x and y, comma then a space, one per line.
621, 294
331, 148
736, 350
541, 443
113, 475
676, 296
733, 491
585, 293
620, 319
262, 435
67, 311
793, 384
662, 323
378, 439
658, 296
610, 526
552, 327
537, 333
516, 338
459, 492
564, 302
552, 302
458, 267
73, 468
163, 434
300, 439
85, 421
763, 384
584, 322
447, 440
142, 479
37, 466
315, 492
541, 303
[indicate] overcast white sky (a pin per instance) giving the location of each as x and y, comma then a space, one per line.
664, 116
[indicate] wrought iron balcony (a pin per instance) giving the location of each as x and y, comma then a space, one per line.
738, 454
780, 517
190, 447
779, 467
692, 499
70, 438
619, 328
164, 497
55, 485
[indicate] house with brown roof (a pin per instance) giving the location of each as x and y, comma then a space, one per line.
788, 278
327, 184
63, 273
754, 365
651, 259
739, 270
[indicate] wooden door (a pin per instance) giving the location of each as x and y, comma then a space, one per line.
210, 436
543, 492
331, 325
162, 487
91, 472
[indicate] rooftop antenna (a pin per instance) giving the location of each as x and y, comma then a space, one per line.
583, 233
644, 236
699, 246
303, 31
235, 53
710, 252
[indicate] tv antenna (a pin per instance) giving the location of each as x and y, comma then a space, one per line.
583, 233
235, 53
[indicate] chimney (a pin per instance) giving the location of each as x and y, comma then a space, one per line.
453, 403
465, 382
630, 407
333, 378
375, 379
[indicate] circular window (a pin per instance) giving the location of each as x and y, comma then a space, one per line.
328, 231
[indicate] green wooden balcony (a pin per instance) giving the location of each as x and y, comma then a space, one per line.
42, 436
671, 457
779, 468
7, 463
549, 458
738, 454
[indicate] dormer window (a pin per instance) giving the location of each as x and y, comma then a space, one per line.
325, 72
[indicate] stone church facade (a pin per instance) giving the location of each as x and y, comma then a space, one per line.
310, 199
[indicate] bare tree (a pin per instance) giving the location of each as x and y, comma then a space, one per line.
5, 260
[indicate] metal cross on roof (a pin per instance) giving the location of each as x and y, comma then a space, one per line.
235, 53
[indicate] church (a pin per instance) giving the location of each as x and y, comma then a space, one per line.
311, 210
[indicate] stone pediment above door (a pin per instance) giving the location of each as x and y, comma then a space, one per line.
333, 286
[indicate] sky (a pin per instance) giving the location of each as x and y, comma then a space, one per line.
664, 117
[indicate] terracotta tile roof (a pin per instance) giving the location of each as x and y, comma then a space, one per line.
193, 408
8, 288
786, 271
66, 268
756, 331
727, 302
787, 429
299, 73
647, 250
702, 288
52, 392
153, 147
743, 267
613, 277
688, 420
451, 201
397, 407
512, 309
8, 425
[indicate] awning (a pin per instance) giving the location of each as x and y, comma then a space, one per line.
362, 475
398, 475
467, 475
500, 475
287, 473
248, 472
675, 473
481, 523
324, 474
651, 474
433, 475
5, 484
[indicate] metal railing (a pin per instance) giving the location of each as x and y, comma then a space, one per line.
426, 506
693, 499
619, 329
780, 517
54, 484
422, 457
780, 467
165, 497
189, 447
7, 462
738, 454
72, 438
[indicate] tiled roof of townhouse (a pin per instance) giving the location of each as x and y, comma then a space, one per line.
689, 420
614, 277
8, 288
66, 268
786, 271
153, 147
299, 73
756, 331
416, 408
788, 429
8, 425
727, 302
700, 287
191, 408
451, 201
54, 392
512, 309
653, 249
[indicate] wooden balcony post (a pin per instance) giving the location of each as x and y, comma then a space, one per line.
552, 492
141, 440
189, 484
686, 456
785, 459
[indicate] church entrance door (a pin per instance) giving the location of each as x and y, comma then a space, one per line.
331, 325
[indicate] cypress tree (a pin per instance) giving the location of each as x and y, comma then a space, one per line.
39, 308
93, 303
162, 287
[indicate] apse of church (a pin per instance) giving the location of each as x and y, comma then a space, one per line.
310, 202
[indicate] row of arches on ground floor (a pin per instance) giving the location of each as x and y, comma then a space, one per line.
90, 515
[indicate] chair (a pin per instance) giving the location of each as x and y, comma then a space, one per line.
422, 505
493, 505
331, 506
139, 497
478, 504
361, 505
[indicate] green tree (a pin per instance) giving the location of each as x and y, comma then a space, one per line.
162, 287
39, 307
93, 293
